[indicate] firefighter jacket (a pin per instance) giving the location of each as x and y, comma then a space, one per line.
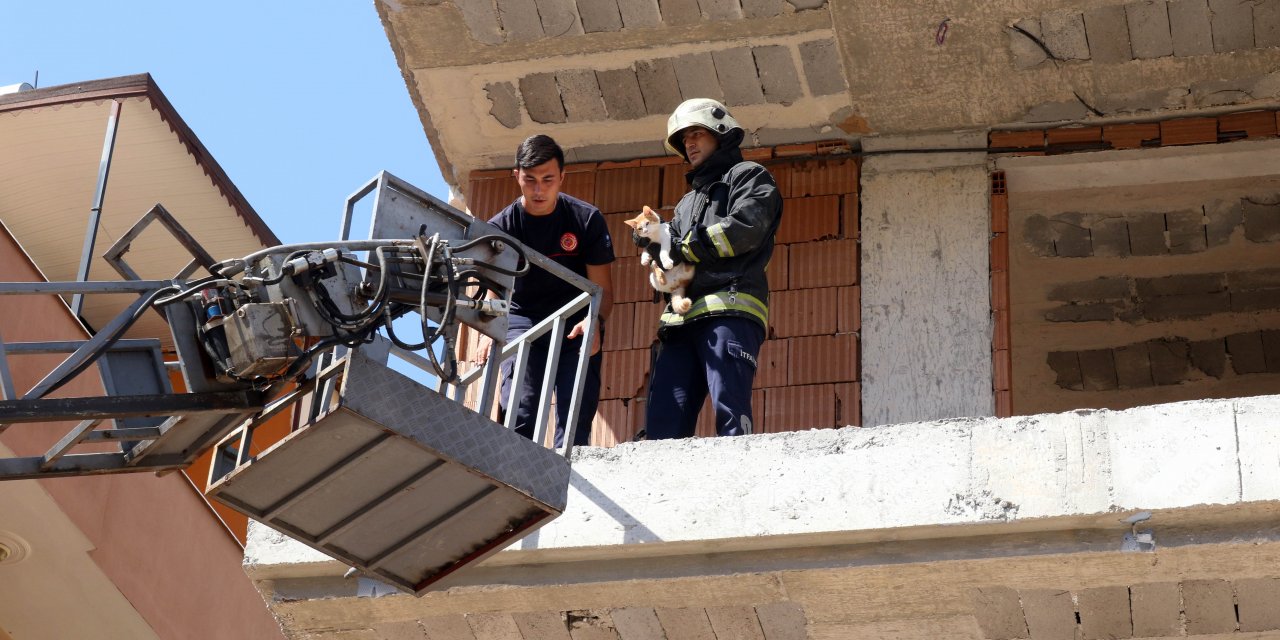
724, 227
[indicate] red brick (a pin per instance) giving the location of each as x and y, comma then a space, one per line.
618, 332
611, 424
850, 220
635, 415
777, 269
818, 359
833, 176
848, 404
807, 219
1073, 135
1188, 131
791, 150
623, 374
803, 312
826, 263
757, 154
772, 369
661, 161
490, 195
1004, 404
706, 426
798, 408
833, 147
758, 412
849, 310
630, 281
1000, 252
627, 190
999, 213
781, 172
620, 164
580, 184
1254, 124
1000, 329
1130, 136
486, 174
644, 329
1016, 139
999, 289
623, 247
1001, 365
673, 184
581, 166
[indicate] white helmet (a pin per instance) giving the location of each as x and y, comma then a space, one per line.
700, 112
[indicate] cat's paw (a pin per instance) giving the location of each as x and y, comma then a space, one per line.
681, 305
667, 262
645, 259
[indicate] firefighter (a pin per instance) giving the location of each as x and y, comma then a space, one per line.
724, 226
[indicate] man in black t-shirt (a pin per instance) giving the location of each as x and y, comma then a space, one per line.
572, 233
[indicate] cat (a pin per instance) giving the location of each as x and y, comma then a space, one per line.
665, 275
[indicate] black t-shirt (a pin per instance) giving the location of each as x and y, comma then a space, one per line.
574, 235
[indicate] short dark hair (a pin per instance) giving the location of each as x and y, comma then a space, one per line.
537, 149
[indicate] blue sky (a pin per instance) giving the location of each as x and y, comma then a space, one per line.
300, 103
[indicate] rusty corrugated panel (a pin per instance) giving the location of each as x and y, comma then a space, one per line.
800, 407
826, 263
804, 312
623, 374
808, 219
627, 190
818, 359
824, 177
772, 368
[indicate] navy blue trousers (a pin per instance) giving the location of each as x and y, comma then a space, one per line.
715, 356
531, 384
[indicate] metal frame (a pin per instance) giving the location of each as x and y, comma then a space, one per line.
95, 213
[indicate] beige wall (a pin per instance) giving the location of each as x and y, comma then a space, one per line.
153, 537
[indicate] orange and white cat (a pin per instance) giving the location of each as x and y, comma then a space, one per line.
664, 275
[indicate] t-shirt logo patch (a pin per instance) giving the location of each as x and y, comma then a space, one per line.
569, 241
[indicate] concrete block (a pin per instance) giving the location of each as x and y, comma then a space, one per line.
542, 625
736, 70
600, 15
1224, 217
805, 5
1037, 236
542, 98
686, 624
1104, 613
1056, 112
1107, 29
659, 86
822, 68
481, 19
581, 94
621, 90
559, 18
677, 13
1050, 614
637, 622
778, 74
1264, 300
1164, 455
493, 626
1098, 370
783, 621
506, 104
1210, 356
1195, 305
1186, 231
1066, 366
1170, 360
1149, 32
720, 10
696, 74
1209, 606
1246, 352
1259, 469
1089, 312
1261, 221
735, 622
1266, 23
1218, 93
1181, 284
762, 8
1189, 22
1271, 350
1156, 609
1133, 366
1027, 54
1258, 599
640, 14
1232, 22
1108, 288
1064, 34
447, 627
520, 21
999, 613
1253, 280
1110, 236
1146, 234
1071, 236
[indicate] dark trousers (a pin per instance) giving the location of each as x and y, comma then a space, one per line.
715, 356
531, 383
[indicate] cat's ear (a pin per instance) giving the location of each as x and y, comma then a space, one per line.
634, 223
649, 214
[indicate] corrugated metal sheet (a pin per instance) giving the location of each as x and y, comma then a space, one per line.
808, 219
817, 359
826, 263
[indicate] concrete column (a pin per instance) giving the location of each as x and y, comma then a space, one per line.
926, 310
